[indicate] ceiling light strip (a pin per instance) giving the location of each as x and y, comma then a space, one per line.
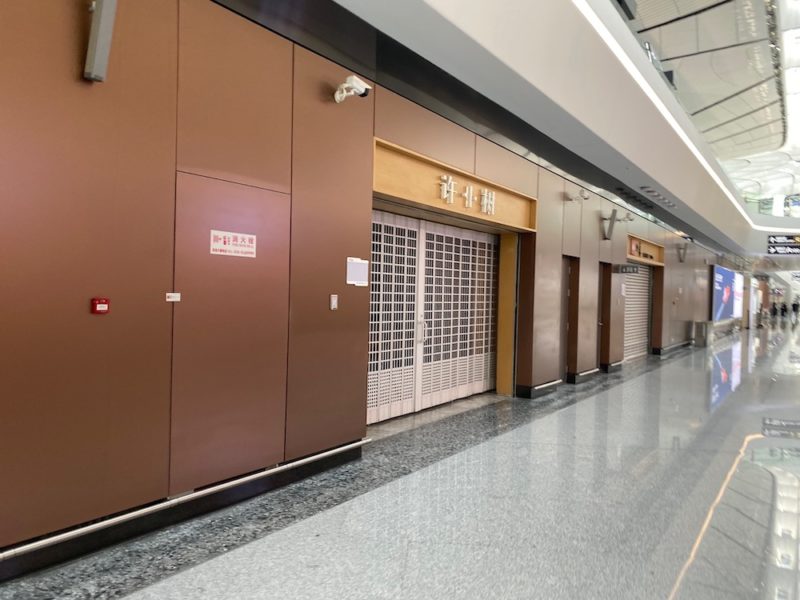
626, 61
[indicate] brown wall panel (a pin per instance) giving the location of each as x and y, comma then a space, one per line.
604, 314
406, 124
573, 316
658, 308
571, 243
87, 174
547, 304
589, 284
331, 220
505, 168
234, 101
229, 357
526, 342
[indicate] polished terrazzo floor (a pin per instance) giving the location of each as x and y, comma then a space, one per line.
653, 482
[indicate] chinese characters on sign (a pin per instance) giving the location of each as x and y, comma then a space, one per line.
447, 193
783, 244
228, 243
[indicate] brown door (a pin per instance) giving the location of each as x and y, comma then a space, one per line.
569, 321
604, 320
230, 333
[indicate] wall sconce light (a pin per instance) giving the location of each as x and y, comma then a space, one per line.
682, 251
608, 223
581, 195
100, 34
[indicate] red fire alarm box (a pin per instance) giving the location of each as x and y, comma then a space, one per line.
100, 306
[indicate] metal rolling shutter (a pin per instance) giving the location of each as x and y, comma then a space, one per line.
637, 313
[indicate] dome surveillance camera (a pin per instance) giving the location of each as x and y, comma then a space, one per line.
352, 86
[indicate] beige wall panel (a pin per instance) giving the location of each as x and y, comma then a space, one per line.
502, 166
617, 324
605, 252
589, 284
571, 241
406, 124
639, 226
547, 293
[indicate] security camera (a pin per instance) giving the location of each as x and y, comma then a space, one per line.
352, 86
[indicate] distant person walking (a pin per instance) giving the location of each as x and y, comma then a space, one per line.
784, 310
795, 309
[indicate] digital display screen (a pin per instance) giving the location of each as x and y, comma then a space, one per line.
728, 294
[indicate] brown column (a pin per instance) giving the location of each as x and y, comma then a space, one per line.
331, 221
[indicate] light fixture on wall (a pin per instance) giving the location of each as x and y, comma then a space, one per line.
608, 223
102, 29
581, 195
352, 86
682, 248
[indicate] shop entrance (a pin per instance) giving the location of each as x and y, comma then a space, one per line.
638, 293
433, 315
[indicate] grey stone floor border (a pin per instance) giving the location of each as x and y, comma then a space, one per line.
129, 566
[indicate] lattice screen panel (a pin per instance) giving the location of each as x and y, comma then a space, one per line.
459, 312
393, 290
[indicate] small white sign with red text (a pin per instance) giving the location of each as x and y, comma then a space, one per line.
228, 243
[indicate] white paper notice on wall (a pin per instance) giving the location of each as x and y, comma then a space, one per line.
230, 243
357, 271
623, 289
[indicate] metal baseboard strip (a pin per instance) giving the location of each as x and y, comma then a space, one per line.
169, 503
547, 385
589, 372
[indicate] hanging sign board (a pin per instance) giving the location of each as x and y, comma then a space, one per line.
625, 269
783, 244
229, 243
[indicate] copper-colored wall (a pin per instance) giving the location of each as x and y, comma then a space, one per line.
402, 122
229, 356
234, 98
331, 216
547, 290
230, 335
88, 175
